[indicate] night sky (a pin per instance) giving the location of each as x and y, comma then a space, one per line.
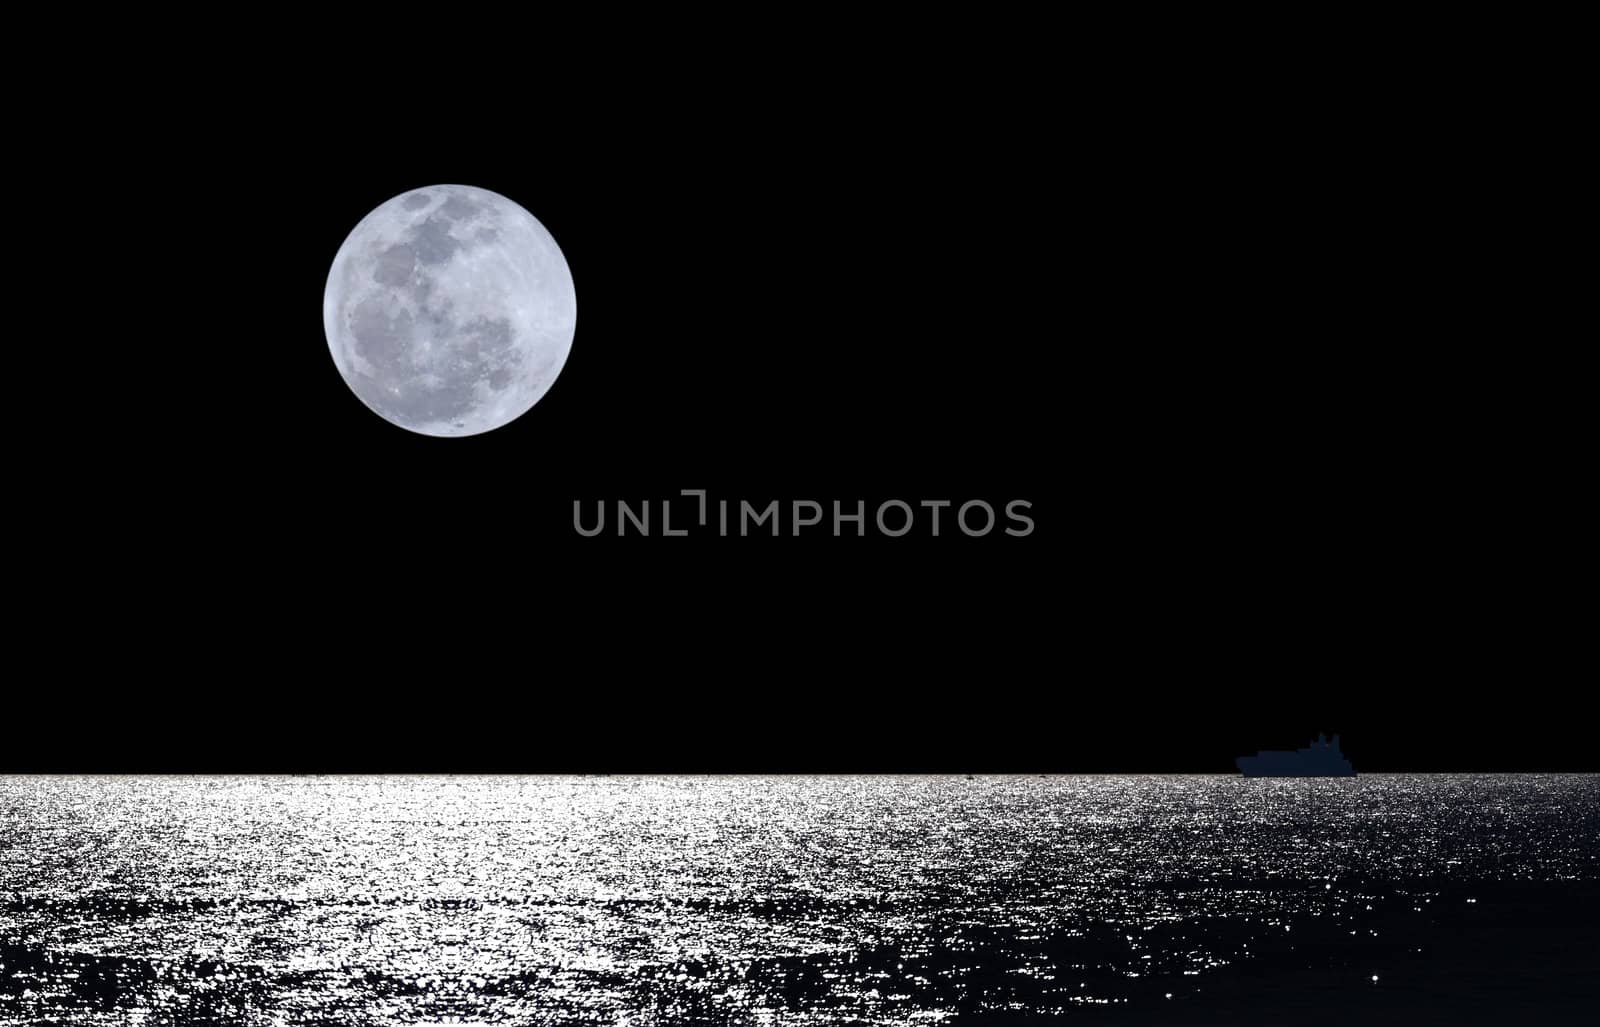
1256, 350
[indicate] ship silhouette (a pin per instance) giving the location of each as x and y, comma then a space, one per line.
1319, 759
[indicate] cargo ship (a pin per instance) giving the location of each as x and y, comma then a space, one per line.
1319, 759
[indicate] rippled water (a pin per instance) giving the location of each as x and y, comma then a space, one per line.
793, 900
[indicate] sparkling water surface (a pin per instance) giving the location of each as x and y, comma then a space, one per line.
761, 900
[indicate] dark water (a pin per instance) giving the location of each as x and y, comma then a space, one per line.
784, 900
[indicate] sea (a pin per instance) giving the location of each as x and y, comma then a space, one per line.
793, 900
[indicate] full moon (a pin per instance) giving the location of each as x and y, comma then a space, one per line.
449, 310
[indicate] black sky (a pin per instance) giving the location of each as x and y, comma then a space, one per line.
1252, 340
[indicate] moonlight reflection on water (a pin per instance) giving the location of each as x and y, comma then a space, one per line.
680, 900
